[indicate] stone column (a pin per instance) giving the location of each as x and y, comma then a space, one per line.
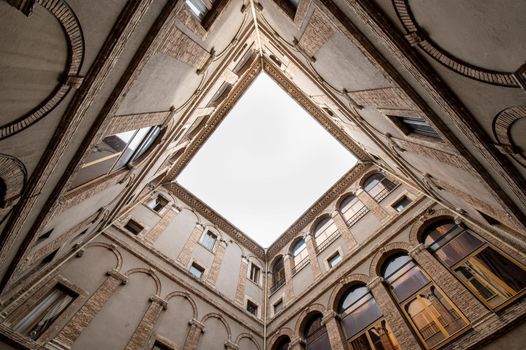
87, 312
289, 289
470, 306
142, 333
194, 334
334, 330
216, 264
168, 216
372, 205
186, 253
240, 290
344, 230
392, 315
309, 242
297, 343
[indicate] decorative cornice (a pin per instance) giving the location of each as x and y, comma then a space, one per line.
310, 214
216, 219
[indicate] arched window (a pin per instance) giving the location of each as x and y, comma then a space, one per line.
282, 343
315, 334
324, 231
434, 318
278, 274
378, 186
491, 276
362, 321
352, 209
299, 253
114, 152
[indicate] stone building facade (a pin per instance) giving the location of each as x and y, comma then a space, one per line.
421, 245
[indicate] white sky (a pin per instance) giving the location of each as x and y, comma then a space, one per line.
266, 163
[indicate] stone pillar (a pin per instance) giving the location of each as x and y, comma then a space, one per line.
344, 230
193, 335
240, 290
289, 289
470, 306
372, 205
216, 264
392, 315
334, 330
168, 216
143, 332
297, 343
186, 253
87, 312
309, 242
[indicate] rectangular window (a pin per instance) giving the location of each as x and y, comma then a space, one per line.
157, 204
133, 226
278, 306
199, 8
209, 240
401, 204
160, 346
334, 259
42, 315
414, 126
44, 236
252, 308
254, 273
196, 270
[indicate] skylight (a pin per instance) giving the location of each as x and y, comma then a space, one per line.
266, 163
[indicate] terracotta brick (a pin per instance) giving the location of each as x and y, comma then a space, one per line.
216, 264
373, 206
309, 242
186, 253
144, 331
168, 216
193, 335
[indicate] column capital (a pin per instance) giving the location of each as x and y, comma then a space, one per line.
296, 341
416, 250
196, 324
157, 299
307, 237
329, 315
375, 282
118, 276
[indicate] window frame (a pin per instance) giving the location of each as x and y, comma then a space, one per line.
133, 223
333, 255
398, 119
199, 267
257, 280
254, 304
204, 238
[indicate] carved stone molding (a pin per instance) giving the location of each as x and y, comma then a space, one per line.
73, 33
417, 37
319, 30
14, 175
502, 125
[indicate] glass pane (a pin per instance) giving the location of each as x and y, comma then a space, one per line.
352, 296
148, 141
408, 282
298, 247
335, 260
38, 320
132, 147
361, 343
493, 276
197, 7
360, 318
458, 248
394, 264
434, 232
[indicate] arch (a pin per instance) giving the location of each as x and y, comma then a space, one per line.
502, 125
13, 174
294, 242
73, 33
247, 336
342, 198
186, 296
221, 319
343, 286
279, 335
367, 175
384, 252
314, 225
305, 315
111, 248
149, 272
429, 217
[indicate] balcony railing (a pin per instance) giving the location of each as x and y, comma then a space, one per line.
300, 265
277, 285
320, 247
388, 187
357, 216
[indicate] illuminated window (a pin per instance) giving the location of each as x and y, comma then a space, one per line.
491, 276
362, 321
434, 318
